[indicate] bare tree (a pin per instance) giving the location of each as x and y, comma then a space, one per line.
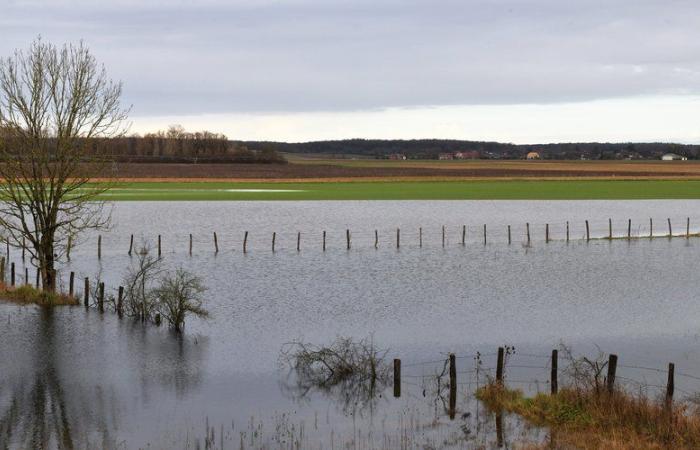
54, 104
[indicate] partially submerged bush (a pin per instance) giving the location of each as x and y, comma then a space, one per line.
179, 295
152, 294
351, 371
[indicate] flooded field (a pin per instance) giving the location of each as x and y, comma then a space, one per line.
72, 378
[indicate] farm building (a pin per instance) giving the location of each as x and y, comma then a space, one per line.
397, 157
533, 155
446, 156
673, 157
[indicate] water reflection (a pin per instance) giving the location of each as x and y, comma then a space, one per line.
51, 398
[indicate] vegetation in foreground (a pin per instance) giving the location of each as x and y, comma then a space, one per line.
408, 190
593, 419
27, 294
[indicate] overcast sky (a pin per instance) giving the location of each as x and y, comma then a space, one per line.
296, 70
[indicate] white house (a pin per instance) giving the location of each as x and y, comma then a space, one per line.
673, 157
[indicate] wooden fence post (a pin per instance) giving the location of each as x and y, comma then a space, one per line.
99, 246
347, 238
7, 250
12, 274
527, 232
443, 236
397, 378
160, 248
216, 243
687, 228
298, 241
86, 293
245, 242
546, 233
555, 367
101, 297
588, 232
629, 229
26, 275
68, 247
71, 284
610, 229
38, 277
499, 366
398, 237
2, 270
670, 232
274, 238
324, 240
484, 234
131, 244
120, 301
670, 383
651, 228
567, 231
420, 237
190, 249
24, 247
376, 239
612, 371
509, 239
464, 235
453, 385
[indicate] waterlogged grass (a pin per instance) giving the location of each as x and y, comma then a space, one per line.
589, 419
409, 190
27, 294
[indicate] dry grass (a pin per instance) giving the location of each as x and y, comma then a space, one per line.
26, 294
584, 419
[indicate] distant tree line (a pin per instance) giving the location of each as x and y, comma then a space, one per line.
432, 148
172, 145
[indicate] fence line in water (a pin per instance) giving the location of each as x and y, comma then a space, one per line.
445, 236
608, 371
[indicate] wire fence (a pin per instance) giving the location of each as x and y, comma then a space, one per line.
401, 236
538, 372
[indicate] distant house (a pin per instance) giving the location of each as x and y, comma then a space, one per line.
446, 156
397, 157
673, 157
533, 155
472, 154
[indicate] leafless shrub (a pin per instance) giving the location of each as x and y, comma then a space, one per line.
351, 371
179, 295
585, 373
140, 299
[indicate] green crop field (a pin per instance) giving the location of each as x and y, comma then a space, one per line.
409, 190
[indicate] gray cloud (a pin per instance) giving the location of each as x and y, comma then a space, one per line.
248, 56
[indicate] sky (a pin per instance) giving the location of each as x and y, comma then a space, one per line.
522, 71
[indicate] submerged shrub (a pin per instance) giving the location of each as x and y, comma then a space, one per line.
178, 295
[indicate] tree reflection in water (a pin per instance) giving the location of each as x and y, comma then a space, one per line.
51, 403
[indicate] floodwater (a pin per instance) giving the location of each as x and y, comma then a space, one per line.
71, 378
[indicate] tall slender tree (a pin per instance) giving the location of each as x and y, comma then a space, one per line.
55, 102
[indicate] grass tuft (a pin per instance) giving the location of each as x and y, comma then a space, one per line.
27, 294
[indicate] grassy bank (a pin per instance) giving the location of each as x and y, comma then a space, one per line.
410, 190
586, 419
26, 295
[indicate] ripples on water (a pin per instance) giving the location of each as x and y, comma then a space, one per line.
74, 379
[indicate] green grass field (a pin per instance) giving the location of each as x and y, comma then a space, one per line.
409, 190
